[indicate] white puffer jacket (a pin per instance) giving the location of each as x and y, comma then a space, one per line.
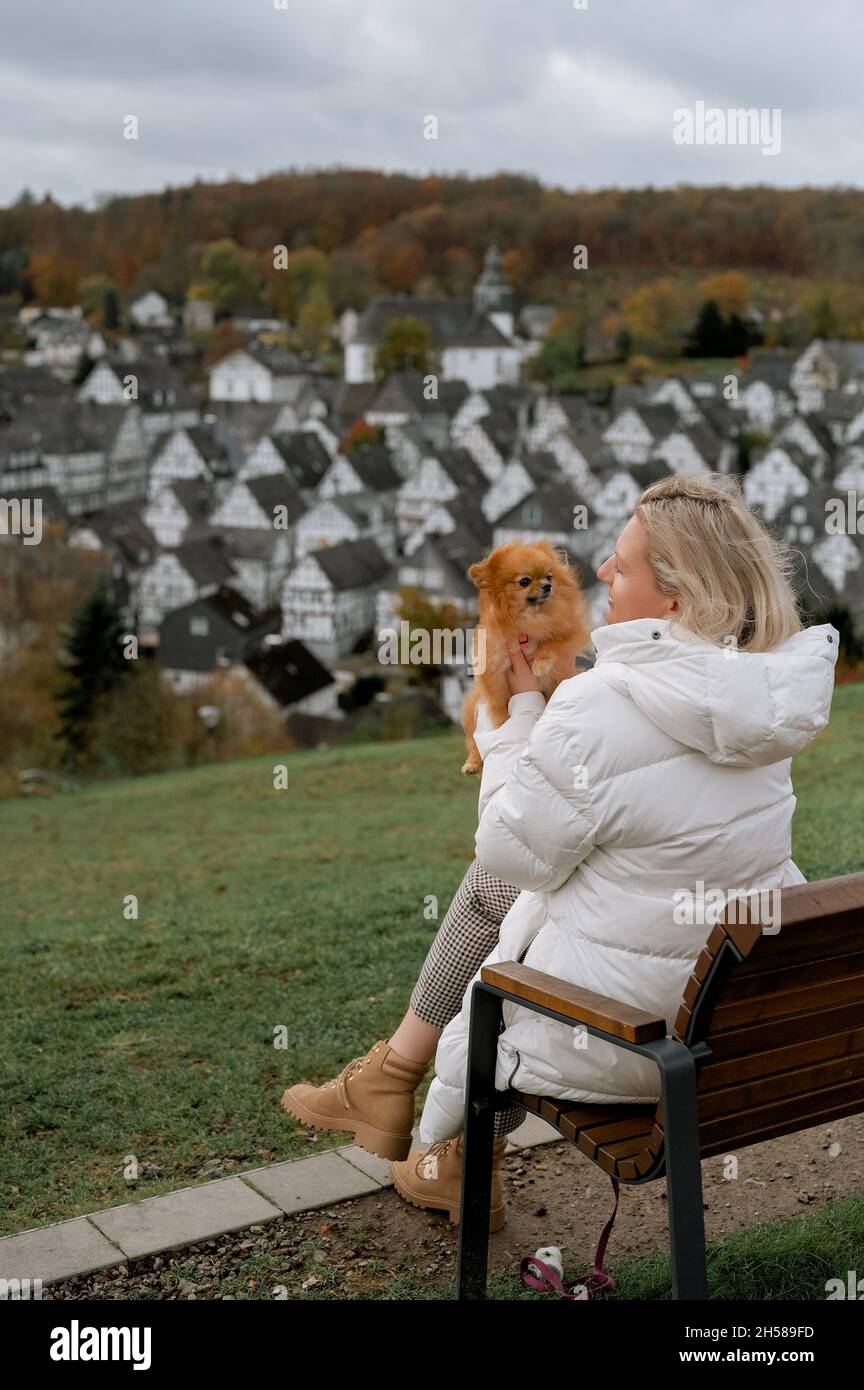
664, 769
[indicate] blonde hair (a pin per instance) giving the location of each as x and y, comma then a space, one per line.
730, 575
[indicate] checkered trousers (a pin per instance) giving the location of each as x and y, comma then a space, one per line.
465, 938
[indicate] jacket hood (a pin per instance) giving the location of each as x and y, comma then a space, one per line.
742, 708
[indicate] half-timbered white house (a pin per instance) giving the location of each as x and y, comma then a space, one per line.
328, 598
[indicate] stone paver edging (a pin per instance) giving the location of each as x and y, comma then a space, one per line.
191, 1214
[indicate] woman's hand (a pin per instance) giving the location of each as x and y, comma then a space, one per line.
520, 677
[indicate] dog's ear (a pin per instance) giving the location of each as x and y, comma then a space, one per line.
559, 554
478, 574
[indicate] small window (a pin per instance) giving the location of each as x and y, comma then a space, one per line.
198, 627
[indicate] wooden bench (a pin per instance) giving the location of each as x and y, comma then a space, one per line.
769, 1039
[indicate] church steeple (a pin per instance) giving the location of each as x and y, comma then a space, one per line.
492, 293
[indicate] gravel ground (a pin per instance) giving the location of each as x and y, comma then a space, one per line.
379, 1247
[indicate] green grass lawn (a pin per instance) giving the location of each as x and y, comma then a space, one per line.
257, 909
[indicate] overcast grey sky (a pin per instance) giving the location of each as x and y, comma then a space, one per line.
578, 97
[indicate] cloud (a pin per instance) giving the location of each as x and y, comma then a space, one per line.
578, 97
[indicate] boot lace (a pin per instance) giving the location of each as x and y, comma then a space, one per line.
340, 1082
429, 1159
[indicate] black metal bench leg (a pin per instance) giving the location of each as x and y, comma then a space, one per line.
480, 1103
684, 1181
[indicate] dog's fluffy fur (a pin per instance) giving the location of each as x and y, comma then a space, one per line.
524, 589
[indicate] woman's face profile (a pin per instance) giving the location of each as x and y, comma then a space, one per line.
633, 591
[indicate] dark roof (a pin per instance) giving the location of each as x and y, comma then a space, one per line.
280, 361
451, 322
651, 471
122, 529
352, 400
815, 422
248, 542
19, 383
234, 626
461, 548
361, 507
502, 427
460, 468
304, 456
205, 560
510, 395
212, 450
466, 512
194, 495
848, 355
541, 466
53, 508
770, 366
288, 672
248, 421
843, 405
373, 465
659, 419
703, 438
352, 564
63, 426
272, 490
403, 390
627, 395
156, 380
811, 506
580, 411
552, 506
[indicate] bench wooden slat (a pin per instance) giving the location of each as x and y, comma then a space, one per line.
802, 1082
769, 1122
727, 1072
774, 1032
732, 1012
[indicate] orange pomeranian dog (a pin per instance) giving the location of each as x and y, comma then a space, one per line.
526, 590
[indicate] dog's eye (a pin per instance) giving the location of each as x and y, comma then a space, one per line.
525, 582
549, 577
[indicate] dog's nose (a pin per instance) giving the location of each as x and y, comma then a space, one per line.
547, 588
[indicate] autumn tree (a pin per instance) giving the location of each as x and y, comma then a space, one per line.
230, 276
562, 354
54, 278
360, 435
656, 317
97, 295
315, 319
423, 615
352, 280
291, 282
730, 291
405, 346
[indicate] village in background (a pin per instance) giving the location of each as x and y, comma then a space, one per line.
256, 453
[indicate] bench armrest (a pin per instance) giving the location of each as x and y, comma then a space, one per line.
582, 1005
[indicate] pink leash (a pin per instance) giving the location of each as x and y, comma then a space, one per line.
595, 1284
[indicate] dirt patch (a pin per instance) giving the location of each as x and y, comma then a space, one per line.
363, 1248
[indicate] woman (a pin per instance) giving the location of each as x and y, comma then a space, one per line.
663, 771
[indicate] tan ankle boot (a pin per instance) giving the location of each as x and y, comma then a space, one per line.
371, 1098
431, 1176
